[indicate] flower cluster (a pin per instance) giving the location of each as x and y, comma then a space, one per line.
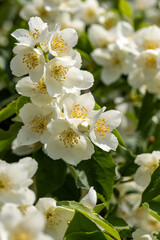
59, 116
134, 54
19, 218
118, 48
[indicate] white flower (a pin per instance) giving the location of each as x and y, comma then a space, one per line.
114, 62
62, 42
15, 226
141, 234
63, 74
36, 91
68, 21
148, 162
15, 179
143, 5
78, 110
37, 33
109, 19
90, 11
99, 36
36, 120
37, 8
24, 150
28, 60
62, 5
101, 129
153, 86
145, 68
67, 143
57, 217
90, 199
147, 38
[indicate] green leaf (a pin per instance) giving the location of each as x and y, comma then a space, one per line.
121, 226
129, 167
147, 111
11, 133
8, 111
153, 189
97, 235
97, 107
125, 8
92, 216
50, 174
80, 177
13, 108
80, 223
68, 191
99, 171
21, 101
119, 137
5, 144
84, 45
153, 213
98, 208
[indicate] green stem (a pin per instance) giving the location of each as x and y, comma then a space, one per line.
45, 54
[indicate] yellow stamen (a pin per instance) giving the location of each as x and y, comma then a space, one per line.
78, 112
101, 128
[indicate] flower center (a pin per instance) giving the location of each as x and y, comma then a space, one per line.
109, 23
58, 45
53, 218
31, 60
40, 86
79, 112
38, 124
5, 183
116, 60
90, 12
148, 44
152, 165
151, 62
59, 73
69, 138
100, 128
34, 34
22, 234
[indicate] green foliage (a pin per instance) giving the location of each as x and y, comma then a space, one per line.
153, 213
13, 108
99, 171
50, 174
92, 216
151, 195
147, 111
125, 8
82, 227
153, 189
121, 226
8, 111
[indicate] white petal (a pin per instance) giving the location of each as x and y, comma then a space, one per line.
109, 142
136, 78
26, 136
142, 177
25, 87
44, 204
110, 74
17, 66
113, 118
70, 36
22, 36
90, 199
10, 215
30, 165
